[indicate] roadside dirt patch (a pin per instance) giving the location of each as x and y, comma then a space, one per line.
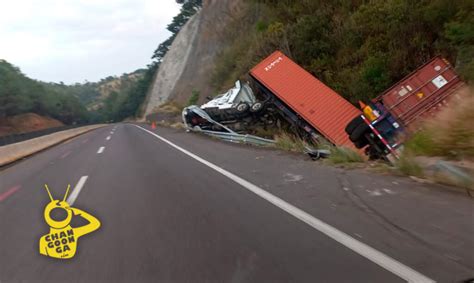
25, 123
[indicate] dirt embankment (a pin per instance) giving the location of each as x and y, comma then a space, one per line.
190, 62
24, 123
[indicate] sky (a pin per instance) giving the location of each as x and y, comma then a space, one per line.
78, 40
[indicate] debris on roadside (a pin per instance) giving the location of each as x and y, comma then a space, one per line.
316, 154
209, 126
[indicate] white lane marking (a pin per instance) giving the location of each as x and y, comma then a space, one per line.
362, 249
77, 189
101, 149
108, 138
111, 132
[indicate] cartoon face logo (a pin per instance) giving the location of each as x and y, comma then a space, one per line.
61, 241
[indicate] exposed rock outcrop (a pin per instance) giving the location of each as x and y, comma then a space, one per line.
173, 64
189, 63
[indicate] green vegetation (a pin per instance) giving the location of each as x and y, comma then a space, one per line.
187, 11
343, 155
339, 155
20, 94
289, 142
127, 100
111, 99
358, 48
408, 166
87, 92
450, 135
193, 99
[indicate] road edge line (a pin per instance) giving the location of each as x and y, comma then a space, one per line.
377, 257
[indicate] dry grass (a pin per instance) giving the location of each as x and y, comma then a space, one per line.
344, 155
178, 125
163, 123
169, 107
288, 142
268, 132
408, 166
339, 155
450, 134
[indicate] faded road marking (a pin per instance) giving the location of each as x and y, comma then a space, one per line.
388, 191
289, 177
101, 149
65, 155
108, 138
375, 193
77, 189
8, 193
362, 249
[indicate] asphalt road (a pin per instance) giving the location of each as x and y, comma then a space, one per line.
193, 209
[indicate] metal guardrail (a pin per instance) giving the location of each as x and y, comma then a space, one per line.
230, 135
456, 173
238, 138
10, 139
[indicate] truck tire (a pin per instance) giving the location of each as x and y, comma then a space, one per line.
353, 124
256, 107
242, 107
361, 143
372, 153
358, 132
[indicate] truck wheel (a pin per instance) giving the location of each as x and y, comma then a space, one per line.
361, 143
372, 153
353, 124
242, 107
358, 132
257, 106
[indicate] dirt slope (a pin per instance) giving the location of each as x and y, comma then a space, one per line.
24, 123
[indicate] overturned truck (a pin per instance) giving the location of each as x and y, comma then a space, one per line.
320, 113
233, 108
304, 101
389, 119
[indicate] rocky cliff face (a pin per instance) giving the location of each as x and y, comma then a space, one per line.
173, 65
190, 61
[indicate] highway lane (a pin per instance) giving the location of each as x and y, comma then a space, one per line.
168, 217
426, 226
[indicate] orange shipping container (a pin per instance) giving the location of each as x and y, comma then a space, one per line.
315, 102
422, 93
